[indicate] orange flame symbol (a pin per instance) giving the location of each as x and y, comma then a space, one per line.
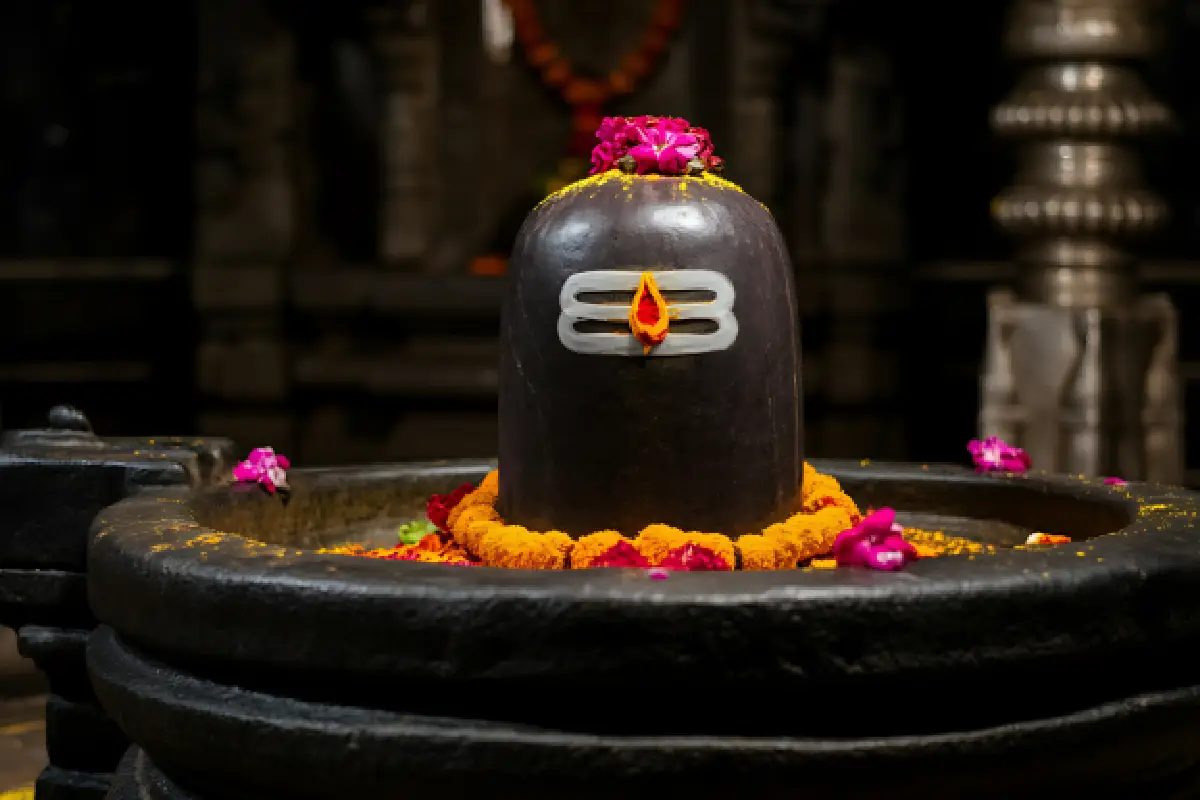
649, 317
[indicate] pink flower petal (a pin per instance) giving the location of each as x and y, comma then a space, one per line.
666, 145
672, 162
874, 543
603, 157
993, 454
646, 158
245, 472
1114, 481
264, 467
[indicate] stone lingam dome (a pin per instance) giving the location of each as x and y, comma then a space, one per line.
650, 367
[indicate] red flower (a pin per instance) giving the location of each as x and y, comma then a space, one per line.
440, 505
621, 554
694, 558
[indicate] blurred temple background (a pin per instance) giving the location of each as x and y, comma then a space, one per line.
285, 222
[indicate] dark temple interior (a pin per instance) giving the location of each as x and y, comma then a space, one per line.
276, 221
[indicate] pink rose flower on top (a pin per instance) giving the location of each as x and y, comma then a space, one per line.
993, 454
876, 543
663, 145
663, 150
265, 467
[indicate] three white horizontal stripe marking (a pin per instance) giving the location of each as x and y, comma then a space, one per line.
719, 310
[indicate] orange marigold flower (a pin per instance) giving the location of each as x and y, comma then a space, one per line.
821, 486
695, 558
656, 542
588, 548
432, 543
790, 543
467, 525
515, 547
484, 495
803, 536
758, 552
719, 544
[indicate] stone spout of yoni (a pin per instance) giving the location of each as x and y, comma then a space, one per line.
603, 426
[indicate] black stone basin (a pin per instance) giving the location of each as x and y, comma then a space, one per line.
247, 665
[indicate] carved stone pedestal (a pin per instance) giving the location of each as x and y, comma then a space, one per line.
1085, 390
53, 482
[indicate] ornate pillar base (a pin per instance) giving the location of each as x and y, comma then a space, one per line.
1088, 390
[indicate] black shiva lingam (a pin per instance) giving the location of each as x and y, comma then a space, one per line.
650, 380
617, 410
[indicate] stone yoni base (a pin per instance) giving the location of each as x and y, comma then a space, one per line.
246, 664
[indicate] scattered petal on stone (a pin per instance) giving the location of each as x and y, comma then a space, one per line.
1046, 538
993, 454
875, 542
265, 467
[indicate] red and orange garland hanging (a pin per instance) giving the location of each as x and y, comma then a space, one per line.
587, 97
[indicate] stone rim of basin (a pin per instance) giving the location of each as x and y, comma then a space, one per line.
230, 597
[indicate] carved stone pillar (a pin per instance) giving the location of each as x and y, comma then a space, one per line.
1080, 370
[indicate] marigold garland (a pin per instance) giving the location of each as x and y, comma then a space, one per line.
477, 529
473, 534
